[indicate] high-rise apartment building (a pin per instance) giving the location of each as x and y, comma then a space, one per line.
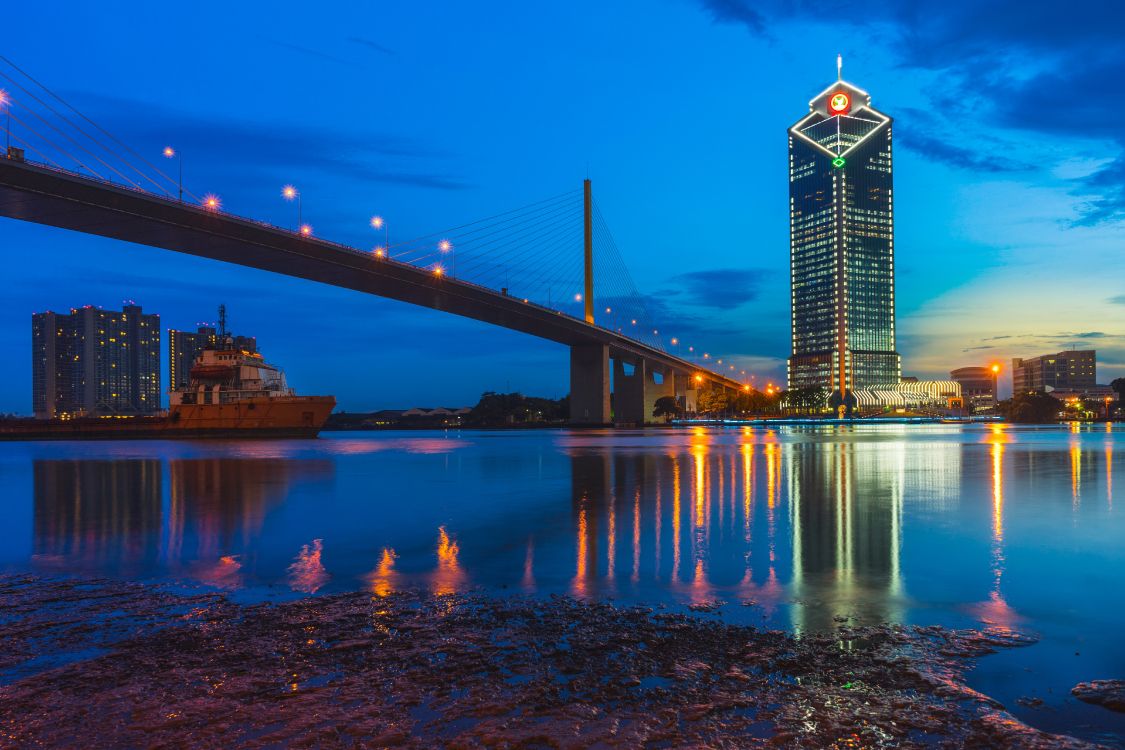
95, 362
1069, 370
185, 346
841, 220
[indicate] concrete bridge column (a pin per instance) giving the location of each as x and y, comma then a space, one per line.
654, 390
629, 392
589, 384
686, 392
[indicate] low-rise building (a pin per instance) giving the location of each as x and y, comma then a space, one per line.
1072, 369
978, 386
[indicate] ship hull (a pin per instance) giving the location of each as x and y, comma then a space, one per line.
279, 417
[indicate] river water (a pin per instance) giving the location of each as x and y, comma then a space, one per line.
798, 528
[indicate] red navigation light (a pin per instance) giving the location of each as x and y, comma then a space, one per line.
839, 103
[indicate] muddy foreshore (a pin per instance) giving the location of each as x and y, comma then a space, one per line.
105, 664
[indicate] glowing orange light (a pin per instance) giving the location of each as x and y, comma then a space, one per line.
699, 378
212, 202
438, 270
306, 230
380, 252
995, 369
376, 222
675, 341
445, 246
289, 192
746, 388
706, 355
169, 152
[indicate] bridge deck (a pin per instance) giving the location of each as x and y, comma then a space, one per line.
57, 198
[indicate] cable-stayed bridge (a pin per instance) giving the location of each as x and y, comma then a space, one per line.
550, 269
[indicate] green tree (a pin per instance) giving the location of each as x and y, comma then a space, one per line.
1030, 408
712, 400
667, 407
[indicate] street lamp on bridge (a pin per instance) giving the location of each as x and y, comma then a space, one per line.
377, 223
6, 103
171, 153
291, 193
446, 246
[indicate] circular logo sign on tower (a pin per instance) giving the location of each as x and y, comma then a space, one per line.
839, 103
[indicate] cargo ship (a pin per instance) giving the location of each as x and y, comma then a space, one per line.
231, 394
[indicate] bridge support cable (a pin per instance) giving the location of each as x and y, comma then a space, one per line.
630, 314
82, 147
114, 154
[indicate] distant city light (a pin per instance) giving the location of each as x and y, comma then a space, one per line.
212, 202
306, 230
608, 310
578, 298
675, 341
839, 162
376, 222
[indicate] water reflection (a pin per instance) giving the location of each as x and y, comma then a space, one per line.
97, 514
811, 525
201, 518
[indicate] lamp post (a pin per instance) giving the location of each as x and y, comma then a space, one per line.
291, 193
171, 153
995, 384
6, 103
377, 222
446, 246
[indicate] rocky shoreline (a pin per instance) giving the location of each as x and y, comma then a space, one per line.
96, 664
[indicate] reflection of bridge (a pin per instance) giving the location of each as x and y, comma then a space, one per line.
128, 209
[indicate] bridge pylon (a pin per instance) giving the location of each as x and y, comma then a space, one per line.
588, 248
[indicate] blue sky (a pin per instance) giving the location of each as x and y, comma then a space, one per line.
1009, 169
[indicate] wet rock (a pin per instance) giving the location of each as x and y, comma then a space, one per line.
415, 670
1107, 693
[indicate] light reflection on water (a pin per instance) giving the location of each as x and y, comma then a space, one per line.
1010, 526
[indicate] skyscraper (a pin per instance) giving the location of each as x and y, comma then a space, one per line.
841, 224
95, 362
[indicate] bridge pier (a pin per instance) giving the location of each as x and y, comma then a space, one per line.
589, 384
655, 390
686, 394
628, 392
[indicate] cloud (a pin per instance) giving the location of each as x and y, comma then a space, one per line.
1118, 300
309, 52
245, 148
736, 12
371, 44
720, 288
1020, 65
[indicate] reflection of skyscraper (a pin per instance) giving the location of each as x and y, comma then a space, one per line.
841, 211
95, 362
847, 518
105, 514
